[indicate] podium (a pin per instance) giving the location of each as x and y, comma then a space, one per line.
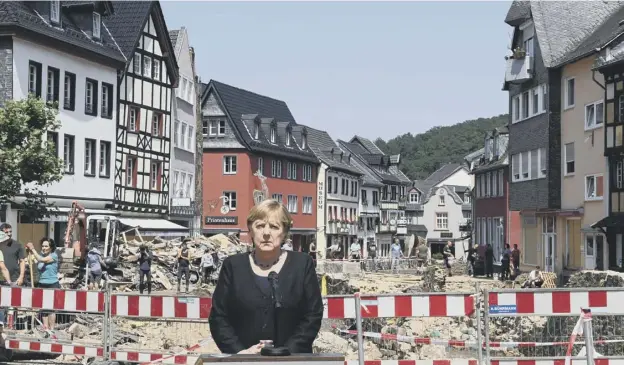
294, 359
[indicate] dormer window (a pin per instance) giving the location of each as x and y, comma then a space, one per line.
55, 12
304, 142
273, 134
288, 135
97, 22
256, 131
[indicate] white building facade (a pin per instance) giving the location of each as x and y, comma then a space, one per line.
83, 83
182, 208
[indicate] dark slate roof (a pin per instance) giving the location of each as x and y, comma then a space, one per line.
519, 12
370, 177
329, 153
21, 15
606, 32
394, 169
365, 157
173, 35
367, 144
246, 109
561, 26
442, 173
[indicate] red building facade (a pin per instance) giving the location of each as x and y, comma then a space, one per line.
253, 146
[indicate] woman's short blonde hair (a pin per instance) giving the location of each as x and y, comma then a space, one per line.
267, 208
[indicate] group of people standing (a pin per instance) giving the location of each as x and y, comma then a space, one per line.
510, 261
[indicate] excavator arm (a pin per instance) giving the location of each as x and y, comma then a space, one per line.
76, 214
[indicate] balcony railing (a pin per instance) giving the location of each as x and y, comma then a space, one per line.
519, 69
183, 207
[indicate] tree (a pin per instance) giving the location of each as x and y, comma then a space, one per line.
27, 161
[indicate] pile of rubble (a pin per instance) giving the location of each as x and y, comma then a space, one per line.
164, 254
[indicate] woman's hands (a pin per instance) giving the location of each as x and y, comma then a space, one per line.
255, 349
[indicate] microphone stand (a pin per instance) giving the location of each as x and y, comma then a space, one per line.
277, 305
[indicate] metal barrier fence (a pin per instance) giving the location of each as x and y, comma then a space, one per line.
498, 327
369, 265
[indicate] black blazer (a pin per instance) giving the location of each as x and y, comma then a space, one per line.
242, 314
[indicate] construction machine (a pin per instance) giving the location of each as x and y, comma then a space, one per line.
83, 230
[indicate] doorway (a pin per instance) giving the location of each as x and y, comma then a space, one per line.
549, 252
600, 252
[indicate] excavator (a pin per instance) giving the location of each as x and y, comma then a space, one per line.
83, 230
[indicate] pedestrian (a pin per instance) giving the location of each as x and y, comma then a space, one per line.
14, 257
372, 254
515, 260
96, 264
312, 251
145, 269
184, 263
448, 257
355, 250
47, 266
505, 263
288, 246
334, 251
422, 254
472, 253
207, 265
396, 253
489, 261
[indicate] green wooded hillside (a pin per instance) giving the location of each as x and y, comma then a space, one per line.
423, 153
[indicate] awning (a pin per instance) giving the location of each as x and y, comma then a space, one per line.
155, 227
87, 211
610, 222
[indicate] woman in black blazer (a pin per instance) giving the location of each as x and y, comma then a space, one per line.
243, 314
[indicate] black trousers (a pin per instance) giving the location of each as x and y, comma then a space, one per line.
505, 269
489, 268
183, 270
143, 275
207, 273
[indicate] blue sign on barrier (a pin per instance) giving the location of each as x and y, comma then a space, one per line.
503, 309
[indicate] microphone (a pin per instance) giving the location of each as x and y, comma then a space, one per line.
277, 303
274, 281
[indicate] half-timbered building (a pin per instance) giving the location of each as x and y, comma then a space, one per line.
142, 155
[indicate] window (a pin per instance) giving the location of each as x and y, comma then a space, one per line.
291, 171
147, 66
279, 198
529, 47
52, 89
217, 128
190, 139
307, 172
256, 131
516, 109
568, 153
231, 199
375, 198
68, 153
261, 165
276, 168
594, 115
525, 105
157, 122
304, 142
594, 187
488, 184
34, 78
155, 174
535, 98
528, 165
273, 134
136, 62
91, 97
53, 140
104, 158
156, 70
466, 198
292, 203
176, 133
69, 91
229, 165
442, 200
97, 22
134, 119
131, 171
306, 207
55, 12
544, 105
569, 93
500, 183
107, 100
442, 221
182, 135
89, 157
288, 137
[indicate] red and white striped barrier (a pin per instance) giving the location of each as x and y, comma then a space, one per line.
537, 361
52, 299
54, 348
426, 305
129, 305
418, 362
466, 344
550, 303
